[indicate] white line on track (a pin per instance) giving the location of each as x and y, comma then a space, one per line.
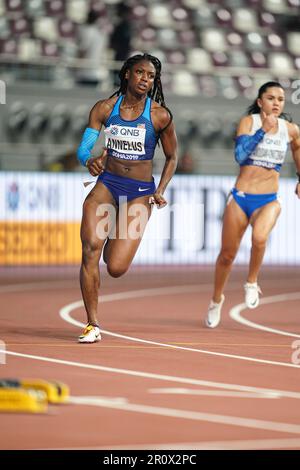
209, 445
161, 411
65, 314
168, 378
212, 393
102, 402
235, 313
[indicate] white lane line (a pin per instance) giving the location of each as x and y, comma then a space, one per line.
209, 445
212, 393
189, 415
168, 378
235, 313
65, 314
96, 401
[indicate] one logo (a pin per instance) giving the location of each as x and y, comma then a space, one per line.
13, 196
144, 189
241, 194
114, 130
141, 126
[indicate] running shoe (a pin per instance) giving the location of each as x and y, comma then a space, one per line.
252, 291
214, 313
90, 334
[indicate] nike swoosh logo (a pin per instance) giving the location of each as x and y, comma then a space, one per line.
144, 189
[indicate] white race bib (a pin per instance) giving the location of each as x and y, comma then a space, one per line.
125, 140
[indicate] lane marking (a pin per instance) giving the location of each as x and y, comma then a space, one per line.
235, 313
212, 393
103, 402
209, 445
65, 314
168, 378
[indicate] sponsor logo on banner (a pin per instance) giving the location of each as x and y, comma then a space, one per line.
13, 196
32, 196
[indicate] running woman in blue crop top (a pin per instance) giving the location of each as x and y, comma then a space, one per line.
261, 144
135, 119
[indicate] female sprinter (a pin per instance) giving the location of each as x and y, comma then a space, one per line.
135, 119
260, 149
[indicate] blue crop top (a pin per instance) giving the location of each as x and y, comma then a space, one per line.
130, 140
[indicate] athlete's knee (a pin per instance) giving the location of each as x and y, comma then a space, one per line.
226, 257
90, 250
259, 240
116, 269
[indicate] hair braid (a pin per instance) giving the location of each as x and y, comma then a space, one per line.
156, 93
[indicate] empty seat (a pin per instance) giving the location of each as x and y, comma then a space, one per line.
167, 38
254, 42
234, 39
55, 7
294, 3
20, 27
2, 8
267, 19
297, 63
238, 59
46, 28
180, 15
275, 6
204, 17
4, 28
275, 41
293, 43
193, 4
208, 86
49, 49
223, 16
148, 34
258, 59
220, 59
199, 60
77, 10
139, 12
35, 8
187, 38
213, 40
66, 28
184, 83
160, 16
244, 20
176, 58
29, 49
9, 46
280, 62
14, 6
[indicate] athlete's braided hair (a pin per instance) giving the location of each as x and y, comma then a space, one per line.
156, 93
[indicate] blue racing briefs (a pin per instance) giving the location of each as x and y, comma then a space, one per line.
126, 187
250, 202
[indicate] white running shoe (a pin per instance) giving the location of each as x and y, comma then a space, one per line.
214, 313
90, 334
252, 291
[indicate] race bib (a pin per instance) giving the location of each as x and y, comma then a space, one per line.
125, 140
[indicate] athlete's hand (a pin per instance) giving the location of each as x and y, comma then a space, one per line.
96, 165
269, 121
297, 190
158, 200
